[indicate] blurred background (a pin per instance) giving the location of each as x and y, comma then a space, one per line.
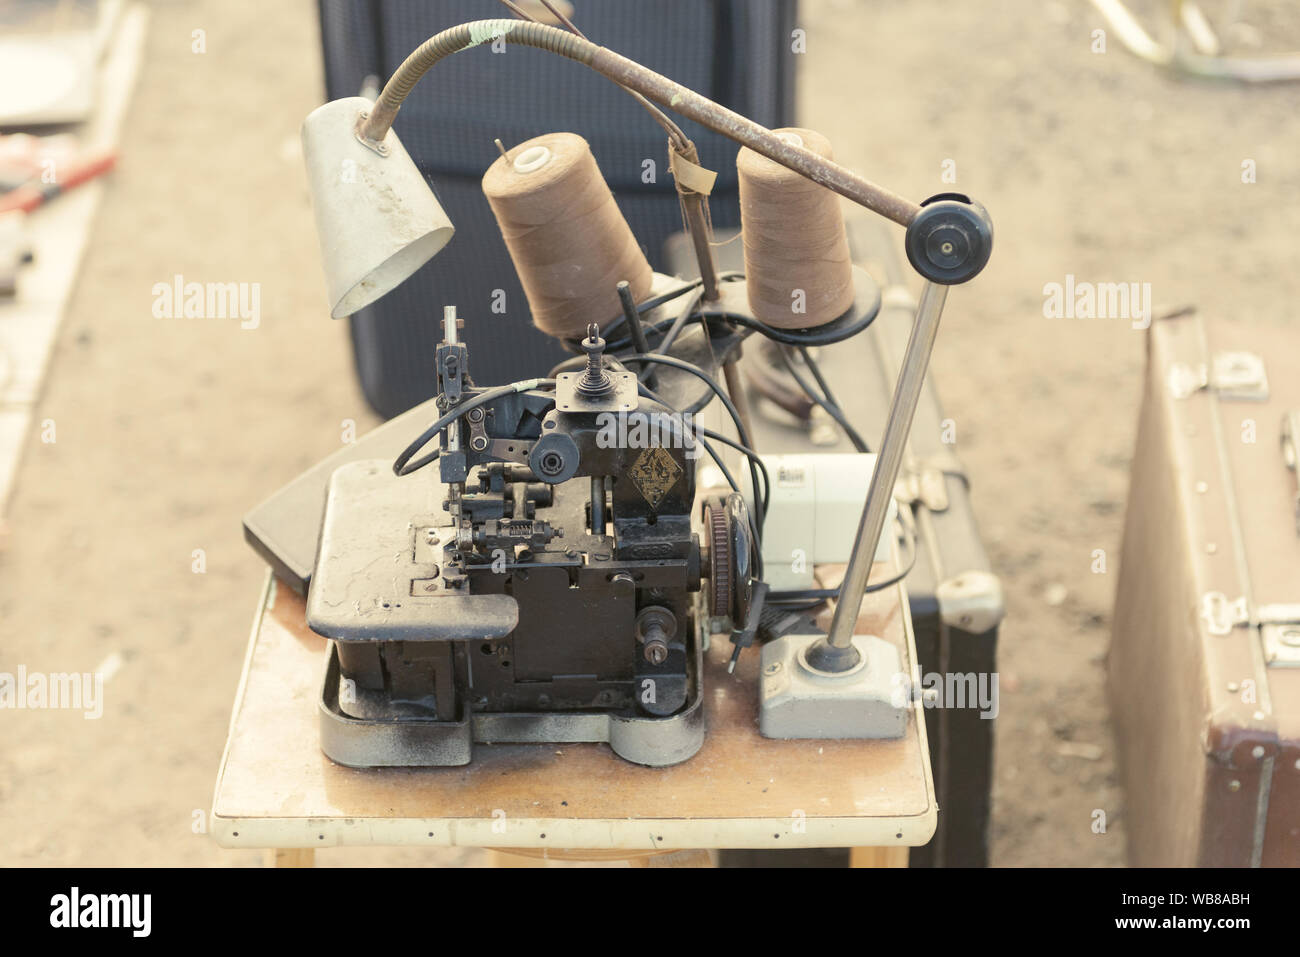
132, 442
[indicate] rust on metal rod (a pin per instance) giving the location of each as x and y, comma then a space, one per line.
758, 138
649, 84
697, 225
736, 389
377, 123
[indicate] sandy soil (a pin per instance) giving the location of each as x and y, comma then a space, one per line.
1092, 164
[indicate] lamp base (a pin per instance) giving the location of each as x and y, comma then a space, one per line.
798, 700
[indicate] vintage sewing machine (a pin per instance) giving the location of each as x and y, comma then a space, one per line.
538, 565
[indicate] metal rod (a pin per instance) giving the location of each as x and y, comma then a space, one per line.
697, 226
450, 332
635, 330
736, 389
759, 138
652, 85
907, 392
696, 214
632, 317
598, 505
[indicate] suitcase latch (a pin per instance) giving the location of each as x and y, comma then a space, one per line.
927, 481
1230, 375
929, 486
1291, 454
1279, 630
1221, 614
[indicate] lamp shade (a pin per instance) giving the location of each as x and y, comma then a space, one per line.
377, 219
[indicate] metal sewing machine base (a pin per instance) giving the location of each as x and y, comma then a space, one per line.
390, 739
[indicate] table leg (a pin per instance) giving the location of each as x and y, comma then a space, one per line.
696, 857
289, 857
878, 856
533, 857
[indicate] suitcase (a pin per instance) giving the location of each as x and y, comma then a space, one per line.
955, 600
735, 51
1204, 665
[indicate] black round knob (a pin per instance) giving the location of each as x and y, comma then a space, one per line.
950, 240
554, 458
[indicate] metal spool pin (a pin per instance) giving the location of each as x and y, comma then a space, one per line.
451, 334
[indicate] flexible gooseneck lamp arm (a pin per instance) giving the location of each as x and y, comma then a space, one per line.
949, 240
648, 83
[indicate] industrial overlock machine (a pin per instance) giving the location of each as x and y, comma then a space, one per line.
544, 561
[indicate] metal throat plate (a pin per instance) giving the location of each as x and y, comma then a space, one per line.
375, 582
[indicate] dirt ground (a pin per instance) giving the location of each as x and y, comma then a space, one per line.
1092, 165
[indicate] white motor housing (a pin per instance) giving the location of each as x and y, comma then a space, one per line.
813, 514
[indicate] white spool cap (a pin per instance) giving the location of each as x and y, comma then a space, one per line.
532, 159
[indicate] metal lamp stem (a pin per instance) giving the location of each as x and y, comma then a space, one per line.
907, 392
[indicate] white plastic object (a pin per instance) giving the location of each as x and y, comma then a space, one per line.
376, 217
812, 516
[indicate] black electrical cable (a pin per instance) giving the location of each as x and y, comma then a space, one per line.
420, 463
757, 552
744, 450
754, 459
817, 375
717, 460
400, 464
820, 594
749, 454
652, 303
655, 302
834, 331
831, 408
720, 393
821, 336
679, 324
859, 443
703, 377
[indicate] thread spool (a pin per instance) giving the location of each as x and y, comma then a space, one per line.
796, 249
570, 244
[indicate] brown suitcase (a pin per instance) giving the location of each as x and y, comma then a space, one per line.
1205, 657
